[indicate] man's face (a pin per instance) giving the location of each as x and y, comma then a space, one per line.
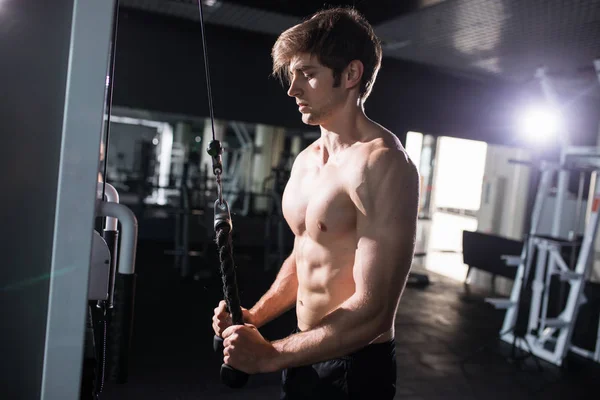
312, 85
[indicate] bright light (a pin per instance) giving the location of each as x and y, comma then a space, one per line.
539, 124
155, 141
198, 139
164, 160
414, 146
460, 166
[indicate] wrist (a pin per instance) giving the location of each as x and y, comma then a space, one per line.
281, 359
253, 319
277, 361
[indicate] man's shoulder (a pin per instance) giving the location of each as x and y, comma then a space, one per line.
385, 154
310, 148
388, 174
301, 157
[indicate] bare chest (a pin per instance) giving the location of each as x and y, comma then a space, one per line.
317, 202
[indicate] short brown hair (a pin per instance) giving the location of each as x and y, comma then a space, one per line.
336, 37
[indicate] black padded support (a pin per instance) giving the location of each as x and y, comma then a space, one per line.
121, 326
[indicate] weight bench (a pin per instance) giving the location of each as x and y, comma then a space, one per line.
492, 253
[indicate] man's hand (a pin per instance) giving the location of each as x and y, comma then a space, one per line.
245, 349
222, 319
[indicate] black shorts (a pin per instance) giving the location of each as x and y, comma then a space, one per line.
369, 373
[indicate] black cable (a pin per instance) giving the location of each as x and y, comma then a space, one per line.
229, 376
205, 50
109, 94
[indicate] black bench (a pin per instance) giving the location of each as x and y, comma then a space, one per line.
485, 252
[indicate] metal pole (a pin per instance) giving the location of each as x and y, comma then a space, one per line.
563, 175
185, 265
561, 195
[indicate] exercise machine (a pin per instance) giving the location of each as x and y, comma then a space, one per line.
542, 335
111, 293
66, 286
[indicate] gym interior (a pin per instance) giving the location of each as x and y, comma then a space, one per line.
111, 273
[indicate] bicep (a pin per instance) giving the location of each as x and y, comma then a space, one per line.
386, 231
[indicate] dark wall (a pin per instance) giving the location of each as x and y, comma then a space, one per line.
31, 108
159, 67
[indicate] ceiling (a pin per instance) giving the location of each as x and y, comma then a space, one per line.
506, 39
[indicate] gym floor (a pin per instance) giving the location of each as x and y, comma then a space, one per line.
437, 327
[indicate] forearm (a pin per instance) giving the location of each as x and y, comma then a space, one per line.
343, 331
280, 297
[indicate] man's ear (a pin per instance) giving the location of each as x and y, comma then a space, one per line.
353, 74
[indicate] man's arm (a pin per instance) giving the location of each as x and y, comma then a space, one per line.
280, 297
387, 202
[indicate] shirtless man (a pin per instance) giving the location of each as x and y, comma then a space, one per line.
351, 202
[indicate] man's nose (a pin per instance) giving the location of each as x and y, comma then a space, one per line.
294, 90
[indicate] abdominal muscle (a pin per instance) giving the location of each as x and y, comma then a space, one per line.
325, 279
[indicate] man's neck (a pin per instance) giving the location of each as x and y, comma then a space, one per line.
342, 131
